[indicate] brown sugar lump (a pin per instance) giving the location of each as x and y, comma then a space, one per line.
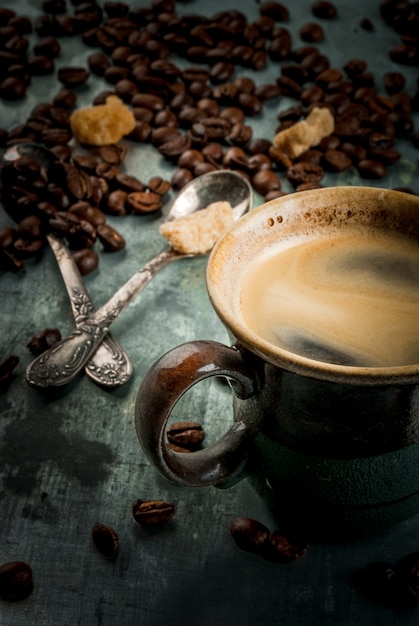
301, 136
198, 232
102, 124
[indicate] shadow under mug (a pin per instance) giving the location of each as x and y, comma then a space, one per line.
333, 449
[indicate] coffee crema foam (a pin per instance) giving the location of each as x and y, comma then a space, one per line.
348, 299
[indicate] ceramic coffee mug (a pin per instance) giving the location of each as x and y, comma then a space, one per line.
319, 291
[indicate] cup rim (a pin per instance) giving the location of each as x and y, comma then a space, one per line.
280, 357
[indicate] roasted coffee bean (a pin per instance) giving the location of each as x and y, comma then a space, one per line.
408, 569
394, 82
16, 580
235, 158
7, 236
385, 585
113, 153
13, 88
50, 46
250, 104
85, 211
190, 158
369, 168
86, 260
249, 534
165, 118
213, 152
111, 240
126, 89
126, 182
258, 145
40, 65
44, 340
336, 161
282, 548
188, 435
26, 248
148, 101
265, 181
180, 178
105, 539
354, 151
98, 63
324, 10
275, 10
174, 146
6, 370
204, 168
159, 185
304, 173
73, 76
30, 228
240, 134
115, 202
151, 513
267, 91
311, 156
258, 162
141, 133
312, 32
143, 202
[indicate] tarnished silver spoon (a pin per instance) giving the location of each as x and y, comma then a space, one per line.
58, 365
109, 365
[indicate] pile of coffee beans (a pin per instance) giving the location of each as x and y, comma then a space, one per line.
197, 117
394, 585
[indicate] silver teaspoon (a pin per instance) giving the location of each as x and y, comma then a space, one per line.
109, 365
58, 365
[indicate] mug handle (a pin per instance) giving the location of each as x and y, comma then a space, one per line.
167, 380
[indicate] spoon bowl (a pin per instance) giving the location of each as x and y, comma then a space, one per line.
224, 185
58, 366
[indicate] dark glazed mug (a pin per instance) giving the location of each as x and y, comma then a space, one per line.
332, 448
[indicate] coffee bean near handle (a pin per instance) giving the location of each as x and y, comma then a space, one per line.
44, 340
86, 260
6, 370
16, 580
188, 435
150, 513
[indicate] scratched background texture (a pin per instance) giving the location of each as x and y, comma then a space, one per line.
70, 457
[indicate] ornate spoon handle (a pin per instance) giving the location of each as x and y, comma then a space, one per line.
109, 365
60, 364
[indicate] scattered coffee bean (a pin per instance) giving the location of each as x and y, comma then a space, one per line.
72, 76
253, 536
106, 540
249, 534
16, 580
6, 370
44, 340
282, 548
152, 512
387, 584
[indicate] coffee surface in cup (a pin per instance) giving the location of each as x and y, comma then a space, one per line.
347, 298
